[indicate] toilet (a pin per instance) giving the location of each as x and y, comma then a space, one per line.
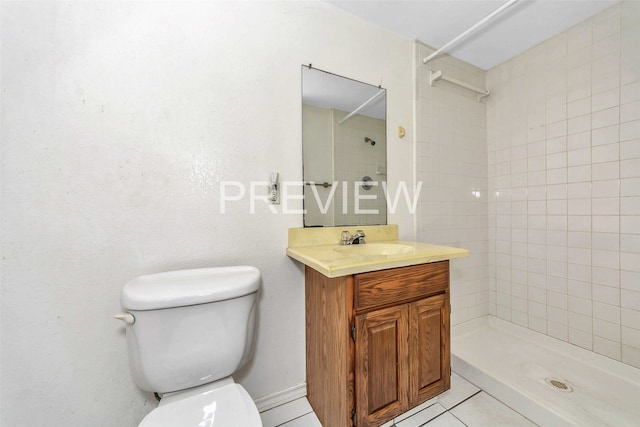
188, 331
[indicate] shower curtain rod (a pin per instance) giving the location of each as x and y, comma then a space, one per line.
367, 102
471, 29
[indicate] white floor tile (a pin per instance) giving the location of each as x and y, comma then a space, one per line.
445, 420
309, 420
287, 412
412, 411
422, 417
483, 410
461, 389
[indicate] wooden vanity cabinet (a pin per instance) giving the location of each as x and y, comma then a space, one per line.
377, 342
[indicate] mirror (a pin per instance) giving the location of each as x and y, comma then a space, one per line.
344, 150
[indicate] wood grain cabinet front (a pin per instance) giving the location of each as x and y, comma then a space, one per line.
377, 343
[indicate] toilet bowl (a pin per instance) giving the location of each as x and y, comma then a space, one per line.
212, 405
188, 331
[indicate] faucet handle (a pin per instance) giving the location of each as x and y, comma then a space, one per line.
359, 237
345, 238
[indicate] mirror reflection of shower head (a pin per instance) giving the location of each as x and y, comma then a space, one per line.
369, 141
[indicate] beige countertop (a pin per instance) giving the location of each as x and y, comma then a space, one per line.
322, 251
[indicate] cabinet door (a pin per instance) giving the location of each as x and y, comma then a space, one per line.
429, 358
382, 383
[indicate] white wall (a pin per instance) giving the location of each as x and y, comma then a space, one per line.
119, 121
564, 178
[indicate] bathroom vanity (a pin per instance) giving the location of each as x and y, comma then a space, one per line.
377, 324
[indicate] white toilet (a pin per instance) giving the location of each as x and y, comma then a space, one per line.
187, 332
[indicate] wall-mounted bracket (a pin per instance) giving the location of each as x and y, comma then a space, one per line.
434, 76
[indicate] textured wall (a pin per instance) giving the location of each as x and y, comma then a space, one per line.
119, 121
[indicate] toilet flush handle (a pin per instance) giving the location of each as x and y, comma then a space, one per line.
127, 318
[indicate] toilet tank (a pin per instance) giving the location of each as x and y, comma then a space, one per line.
191, 327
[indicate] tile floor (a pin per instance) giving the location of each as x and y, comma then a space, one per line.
463, 405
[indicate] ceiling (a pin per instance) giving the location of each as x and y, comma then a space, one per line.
436, 22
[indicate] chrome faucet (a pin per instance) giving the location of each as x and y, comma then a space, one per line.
356, 239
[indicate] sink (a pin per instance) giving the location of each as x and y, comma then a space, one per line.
375, 249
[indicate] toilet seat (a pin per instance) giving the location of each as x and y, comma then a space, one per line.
229, 405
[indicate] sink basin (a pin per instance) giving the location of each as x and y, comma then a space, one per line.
375, 249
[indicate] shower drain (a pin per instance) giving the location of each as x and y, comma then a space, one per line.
559, 385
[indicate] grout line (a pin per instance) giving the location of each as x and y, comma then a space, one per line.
449, 410
292, 419
462, 401
462, 422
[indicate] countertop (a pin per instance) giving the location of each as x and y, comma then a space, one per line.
334, 260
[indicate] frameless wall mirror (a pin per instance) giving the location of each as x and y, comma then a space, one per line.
344, 150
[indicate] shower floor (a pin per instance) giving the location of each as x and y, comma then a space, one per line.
549, 381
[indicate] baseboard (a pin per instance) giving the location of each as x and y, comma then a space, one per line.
281, 397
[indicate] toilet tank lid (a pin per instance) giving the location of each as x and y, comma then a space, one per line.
189, 287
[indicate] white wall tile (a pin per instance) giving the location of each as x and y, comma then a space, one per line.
630, 318
629, 261
579, 157
579, 223
579, 107
581, 338
610, 331
577, 237
605, 223
630, 187
607, 347
605, 276
631, 356
629, 224
629, 168
606, 241
579, 206
605, 26
630, 111
630, 242
630, 299
583, 322
604, 311
631, 337
580, 123
580, 288
606, 294
605, 100
579, 173
605, 153
580, 140
579, 272
581, 306
630, 93
606, 259
630, 130
605, 171
630, 149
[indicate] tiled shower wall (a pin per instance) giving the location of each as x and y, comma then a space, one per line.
337, 153
354, 159
451, 163
563, 137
